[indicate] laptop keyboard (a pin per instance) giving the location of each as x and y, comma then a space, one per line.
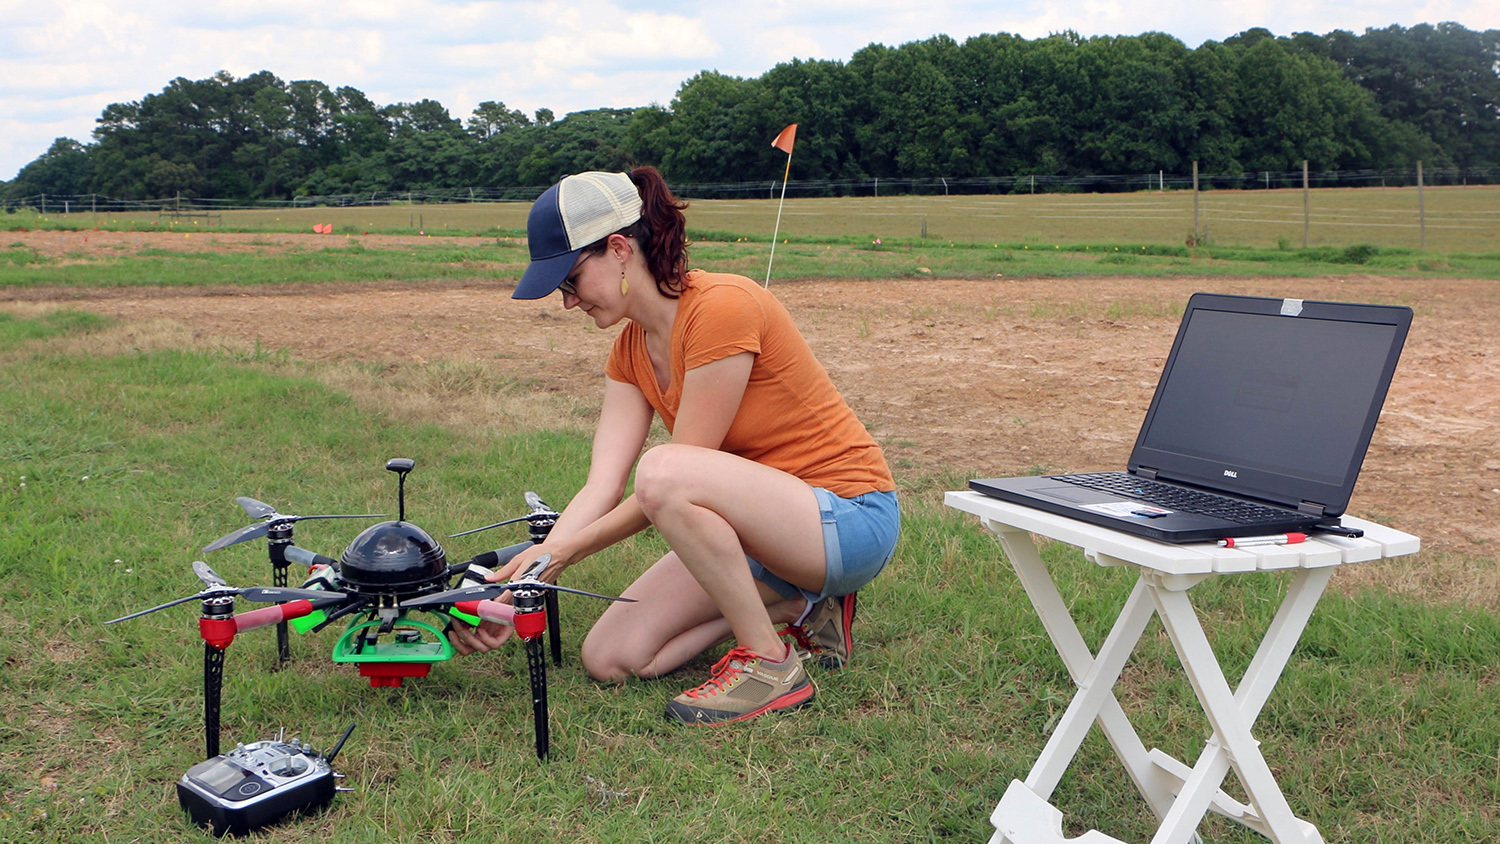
1179, 498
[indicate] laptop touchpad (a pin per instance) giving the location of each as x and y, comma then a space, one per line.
1075, 494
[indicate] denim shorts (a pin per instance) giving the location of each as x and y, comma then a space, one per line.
859, 537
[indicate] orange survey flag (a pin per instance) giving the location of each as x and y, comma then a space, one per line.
786, 140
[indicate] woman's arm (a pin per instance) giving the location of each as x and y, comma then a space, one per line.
711, 396
624, 422
596, 517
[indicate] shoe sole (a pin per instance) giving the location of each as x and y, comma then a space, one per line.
791, 700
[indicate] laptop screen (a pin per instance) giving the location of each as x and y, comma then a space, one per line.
1271, 401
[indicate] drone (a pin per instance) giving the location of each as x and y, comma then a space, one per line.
389, 571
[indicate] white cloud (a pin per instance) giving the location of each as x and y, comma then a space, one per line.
62, 63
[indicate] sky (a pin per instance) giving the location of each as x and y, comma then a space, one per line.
62, 62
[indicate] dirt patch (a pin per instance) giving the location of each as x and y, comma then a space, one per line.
978, 377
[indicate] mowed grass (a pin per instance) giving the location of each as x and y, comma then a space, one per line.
1465, 219
1456, 219
118, 462
266, 259
265, 263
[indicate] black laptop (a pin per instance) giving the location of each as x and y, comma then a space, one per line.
1258, 426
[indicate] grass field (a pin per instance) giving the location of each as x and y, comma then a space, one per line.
1458, 219
119, 458
115, 467
171, 259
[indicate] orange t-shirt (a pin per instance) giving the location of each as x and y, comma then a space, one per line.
791, 417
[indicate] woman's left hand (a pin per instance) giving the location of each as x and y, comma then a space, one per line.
488, 636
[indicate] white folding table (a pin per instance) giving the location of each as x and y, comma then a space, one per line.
1179, 795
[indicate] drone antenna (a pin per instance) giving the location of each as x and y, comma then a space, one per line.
337, 747
401, 466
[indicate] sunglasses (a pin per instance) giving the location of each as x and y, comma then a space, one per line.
569, 285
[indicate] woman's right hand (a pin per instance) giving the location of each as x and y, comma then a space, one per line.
523, 560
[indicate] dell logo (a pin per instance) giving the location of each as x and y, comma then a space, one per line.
1230, 473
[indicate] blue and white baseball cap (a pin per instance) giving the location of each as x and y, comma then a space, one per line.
570, 215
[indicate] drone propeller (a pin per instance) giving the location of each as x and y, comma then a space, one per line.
209, 577
261, 510
486, 591
539, 510
260, 594
487, 527
253, 508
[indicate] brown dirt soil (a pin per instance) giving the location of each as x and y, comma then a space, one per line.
978, 378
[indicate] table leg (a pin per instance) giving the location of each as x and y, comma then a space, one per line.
1095, 691
1231, 714
1095, 701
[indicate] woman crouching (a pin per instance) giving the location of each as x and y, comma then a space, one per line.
777, 504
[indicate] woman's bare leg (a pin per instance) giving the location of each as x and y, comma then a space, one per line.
713, 508
673, 622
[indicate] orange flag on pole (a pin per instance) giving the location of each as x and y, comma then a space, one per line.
784, 142
787, 139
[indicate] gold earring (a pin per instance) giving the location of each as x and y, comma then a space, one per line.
624, 284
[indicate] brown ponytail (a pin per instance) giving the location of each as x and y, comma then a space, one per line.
661, 232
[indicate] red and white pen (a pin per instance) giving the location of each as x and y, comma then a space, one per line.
1278, 539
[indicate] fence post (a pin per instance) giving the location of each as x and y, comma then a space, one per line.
1421, 207
1195, 201
1306, 204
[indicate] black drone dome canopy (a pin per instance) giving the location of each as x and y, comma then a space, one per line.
393, 555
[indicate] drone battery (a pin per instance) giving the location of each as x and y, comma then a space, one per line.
255, 785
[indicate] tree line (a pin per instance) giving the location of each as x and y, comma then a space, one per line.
992, 106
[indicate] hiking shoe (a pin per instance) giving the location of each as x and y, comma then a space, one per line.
743, 685
827, 631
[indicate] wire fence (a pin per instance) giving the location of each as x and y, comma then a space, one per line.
1119, 183
100, 203
874, 187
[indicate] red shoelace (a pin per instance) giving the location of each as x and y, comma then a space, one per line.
798, 632
724, 671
